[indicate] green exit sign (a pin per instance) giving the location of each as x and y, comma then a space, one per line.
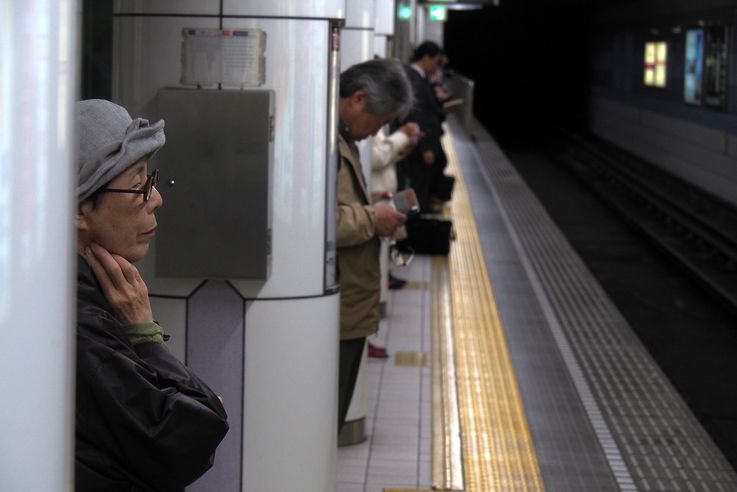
404, 11
438, 13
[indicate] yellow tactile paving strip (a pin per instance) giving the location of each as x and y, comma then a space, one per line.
498, 452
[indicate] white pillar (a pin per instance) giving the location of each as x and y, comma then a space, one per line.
405, 27
38, 67
421, 20
357, 45
428, 29
269, 347
386, 11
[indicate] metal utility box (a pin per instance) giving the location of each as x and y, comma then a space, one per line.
216, 182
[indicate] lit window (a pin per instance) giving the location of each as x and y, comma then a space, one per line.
693, 74
656, 58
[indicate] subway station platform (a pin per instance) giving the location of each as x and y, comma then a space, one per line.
510, 368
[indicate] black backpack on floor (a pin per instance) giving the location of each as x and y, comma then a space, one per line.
443, 187
428, 236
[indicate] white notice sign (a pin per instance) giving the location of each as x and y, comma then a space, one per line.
230, 57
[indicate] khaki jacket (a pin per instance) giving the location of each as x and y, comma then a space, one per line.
358, 249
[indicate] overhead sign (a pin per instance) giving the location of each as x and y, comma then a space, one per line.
404, 11
438, 13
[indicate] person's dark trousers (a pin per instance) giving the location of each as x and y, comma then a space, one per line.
437, 185
350, 361
418, 176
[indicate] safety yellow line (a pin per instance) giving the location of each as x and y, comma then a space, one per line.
498, 452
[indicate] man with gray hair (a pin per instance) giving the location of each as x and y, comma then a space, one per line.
143, 420
372, 94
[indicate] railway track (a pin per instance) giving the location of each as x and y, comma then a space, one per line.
695, 229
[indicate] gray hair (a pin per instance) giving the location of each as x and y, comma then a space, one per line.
386, 84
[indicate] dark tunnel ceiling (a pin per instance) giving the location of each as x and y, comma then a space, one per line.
605, 4
598, 3
620, 10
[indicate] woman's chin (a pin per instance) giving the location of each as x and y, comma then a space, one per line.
136, 254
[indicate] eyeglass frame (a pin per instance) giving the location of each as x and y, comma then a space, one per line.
146, 190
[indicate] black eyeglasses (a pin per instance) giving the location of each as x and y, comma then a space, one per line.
148, 186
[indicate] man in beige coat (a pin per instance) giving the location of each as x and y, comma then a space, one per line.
372, 94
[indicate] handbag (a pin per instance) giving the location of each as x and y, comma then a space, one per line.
443, 187
426, 235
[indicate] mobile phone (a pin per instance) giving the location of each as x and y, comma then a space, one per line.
405, 201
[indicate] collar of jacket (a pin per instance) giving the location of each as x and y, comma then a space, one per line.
419, 71
344, 129
349, 153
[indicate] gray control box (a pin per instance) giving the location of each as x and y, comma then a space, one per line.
216, 182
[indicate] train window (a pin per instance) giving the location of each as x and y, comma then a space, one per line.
693, 76
656, 59
715, 67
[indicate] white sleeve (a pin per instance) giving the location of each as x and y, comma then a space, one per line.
385, 150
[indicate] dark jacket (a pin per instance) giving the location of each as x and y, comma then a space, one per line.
426, 112
144, 422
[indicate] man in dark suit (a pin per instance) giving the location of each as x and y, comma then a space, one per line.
421, 164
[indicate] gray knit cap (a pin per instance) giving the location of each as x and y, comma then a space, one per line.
110, 142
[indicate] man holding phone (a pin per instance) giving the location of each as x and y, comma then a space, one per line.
372, 94
422, 163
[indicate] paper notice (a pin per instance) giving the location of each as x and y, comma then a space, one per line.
232, 58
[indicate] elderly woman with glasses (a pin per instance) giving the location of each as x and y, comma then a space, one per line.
144, 422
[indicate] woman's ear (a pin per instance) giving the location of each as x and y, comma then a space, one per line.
81, 221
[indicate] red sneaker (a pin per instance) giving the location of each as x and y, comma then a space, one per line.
377, 352
396, 283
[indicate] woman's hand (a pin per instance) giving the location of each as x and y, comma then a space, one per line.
122, 285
